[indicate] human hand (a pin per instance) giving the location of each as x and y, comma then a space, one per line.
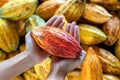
32, 49
61, 66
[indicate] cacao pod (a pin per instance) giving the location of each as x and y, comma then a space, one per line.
56, 42
22, 47
112, 29
110, 64
96, 13
18, 10
9, 38
48, 8
90, 35
72, 9
33, 22
91, 67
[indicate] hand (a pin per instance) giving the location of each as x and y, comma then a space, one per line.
32, 49
60, 66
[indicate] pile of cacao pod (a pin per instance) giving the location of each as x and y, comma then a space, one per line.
99, 24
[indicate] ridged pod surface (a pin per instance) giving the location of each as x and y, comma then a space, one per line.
110, 64
91, 67
96, 13
56, 42
48, 8
112, 29
91, 35
72, 9
18, 9
9, 38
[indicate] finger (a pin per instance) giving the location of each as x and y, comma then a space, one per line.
73, 24
57, 21
51, 20
76, 33
68, 28
61, 24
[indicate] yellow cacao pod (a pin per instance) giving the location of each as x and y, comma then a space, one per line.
91, 67
72, 9
22, 47
90, 35
96, 14
48, 8
18, 9
104, 2
112, 29
9, 38
110, 64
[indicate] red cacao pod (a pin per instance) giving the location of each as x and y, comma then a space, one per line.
56, 42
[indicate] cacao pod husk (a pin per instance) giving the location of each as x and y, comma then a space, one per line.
18, 78
2, 2
72, 9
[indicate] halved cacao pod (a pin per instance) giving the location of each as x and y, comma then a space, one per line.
9, 38
112, 29
91, 67
56, 42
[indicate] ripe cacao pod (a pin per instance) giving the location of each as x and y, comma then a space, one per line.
9, 38
90, 35
91, 67
112, 29
2, 2
57, 42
